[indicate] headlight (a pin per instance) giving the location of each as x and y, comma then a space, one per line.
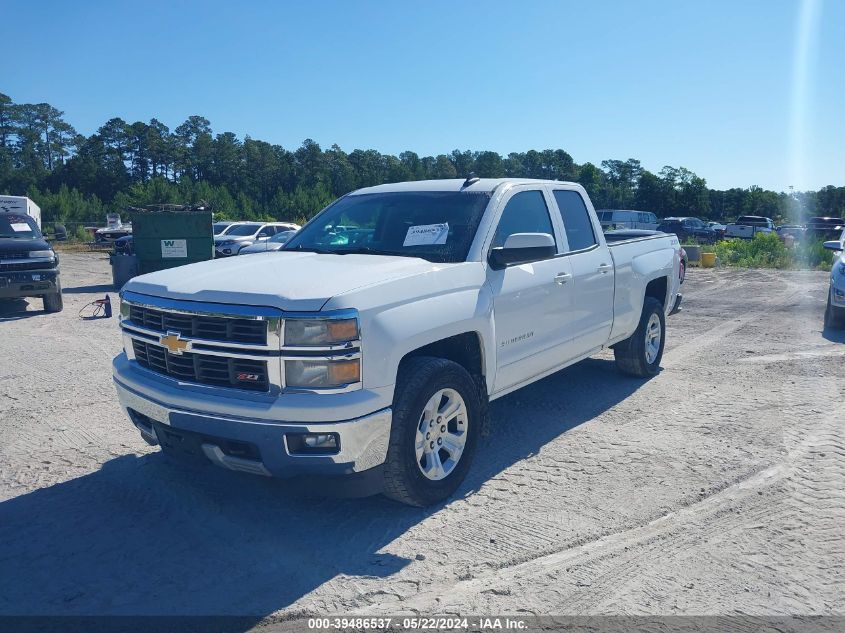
322, 374
841, 268
48, 254
320, 331
225, 242
124, 310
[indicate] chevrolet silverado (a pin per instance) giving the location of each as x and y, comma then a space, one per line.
367, 349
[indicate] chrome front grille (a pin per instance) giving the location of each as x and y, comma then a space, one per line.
203, 369
204, 344
35, 265
222, 345
213, 328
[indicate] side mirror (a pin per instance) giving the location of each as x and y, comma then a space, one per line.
521, 248
833, 245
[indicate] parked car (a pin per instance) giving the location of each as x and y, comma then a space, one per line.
247, 233
688, 228
747, 226
834, 316
623, 219
795, 231
718, 227
825, 228
222, 226
273, 244
28, 265
374, 361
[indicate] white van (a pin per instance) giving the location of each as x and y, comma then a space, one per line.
621, 219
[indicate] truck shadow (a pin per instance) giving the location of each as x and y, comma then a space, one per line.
16, 309
92, 289
144, 535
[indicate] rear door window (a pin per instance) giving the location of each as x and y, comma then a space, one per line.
576, 220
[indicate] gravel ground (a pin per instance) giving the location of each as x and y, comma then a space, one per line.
717, 487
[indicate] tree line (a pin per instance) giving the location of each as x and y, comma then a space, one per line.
78, 178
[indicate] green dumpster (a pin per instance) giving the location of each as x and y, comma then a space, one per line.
165, 239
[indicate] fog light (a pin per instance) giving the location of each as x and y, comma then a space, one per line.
313, 443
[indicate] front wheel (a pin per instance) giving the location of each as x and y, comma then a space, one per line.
834, 317
640, 354
53, 302
436, 421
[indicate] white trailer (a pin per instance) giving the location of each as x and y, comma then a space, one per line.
21, 204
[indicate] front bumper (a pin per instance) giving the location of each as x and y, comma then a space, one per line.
28, 283
250, 444
230, 250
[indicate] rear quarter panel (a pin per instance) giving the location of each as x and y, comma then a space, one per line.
637, 263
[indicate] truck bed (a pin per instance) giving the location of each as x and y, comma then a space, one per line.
630, 235
637, 254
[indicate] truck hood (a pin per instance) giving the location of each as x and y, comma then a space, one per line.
290, 281
17, 245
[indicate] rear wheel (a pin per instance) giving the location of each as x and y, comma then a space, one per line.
834, 317
53, 302
436, 423
640, 354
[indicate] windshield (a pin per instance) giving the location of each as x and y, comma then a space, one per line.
18, 226
219, 228
435, 225
243, 229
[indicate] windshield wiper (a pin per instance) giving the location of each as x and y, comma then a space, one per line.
365, 250
307, 249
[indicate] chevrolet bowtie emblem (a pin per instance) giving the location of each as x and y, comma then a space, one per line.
174, 344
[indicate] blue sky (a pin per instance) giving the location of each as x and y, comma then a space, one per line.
711, 85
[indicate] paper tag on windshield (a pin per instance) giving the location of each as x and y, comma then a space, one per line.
427, 234
20, 227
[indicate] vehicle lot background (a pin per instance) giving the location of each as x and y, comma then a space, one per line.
716, 487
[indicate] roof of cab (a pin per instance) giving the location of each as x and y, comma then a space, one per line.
455, 184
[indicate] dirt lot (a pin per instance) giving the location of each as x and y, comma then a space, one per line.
717, 487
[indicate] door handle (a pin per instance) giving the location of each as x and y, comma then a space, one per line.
605, 268
562, 278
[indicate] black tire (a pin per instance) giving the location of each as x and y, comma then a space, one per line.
53, 302
419, 379
834, 318
630, 354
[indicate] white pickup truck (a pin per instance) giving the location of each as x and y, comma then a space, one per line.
747, 226
366, 350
